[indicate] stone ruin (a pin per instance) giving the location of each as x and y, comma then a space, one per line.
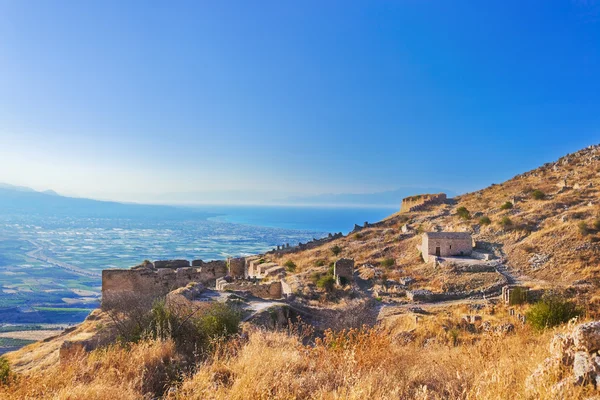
266, 290
151, 280
343, 271
237, 267
513, 294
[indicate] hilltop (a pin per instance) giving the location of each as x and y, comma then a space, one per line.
395, 326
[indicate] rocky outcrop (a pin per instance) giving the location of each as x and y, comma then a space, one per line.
574, 359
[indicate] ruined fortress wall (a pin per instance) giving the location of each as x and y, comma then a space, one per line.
237, 267
418, 202
155, 283
271, 290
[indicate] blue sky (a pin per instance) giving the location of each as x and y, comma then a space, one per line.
137, 99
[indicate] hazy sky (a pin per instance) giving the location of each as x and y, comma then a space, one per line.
117, 99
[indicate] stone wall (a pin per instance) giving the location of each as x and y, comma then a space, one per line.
343, 270
237, 267
153, 282
419, 202
270, 290
171, 264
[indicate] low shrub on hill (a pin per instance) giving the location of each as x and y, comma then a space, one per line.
551, 311
6, 374
326, 282
506, 206
463, 213
506, 222
485, 221
538, 195
582, 228
290, 265
387, 263
336, 250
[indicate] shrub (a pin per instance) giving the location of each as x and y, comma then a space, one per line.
597, 224
506, 222
326, 282
5, 372
320, 263
506, 206
336, 250
193, 329
583, 228
552, 310
463, 213
538, 194
387, 263
290, 265
358, 236
484, 221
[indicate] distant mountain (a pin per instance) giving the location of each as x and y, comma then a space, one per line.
391, 198
16, 188
23, 200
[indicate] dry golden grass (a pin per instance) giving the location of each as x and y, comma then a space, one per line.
111, 373
370, 364
401, 359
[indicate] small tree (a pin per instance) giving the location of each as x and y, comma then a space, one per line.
336, 250
484, 221
538, 194
463, 213
506, 206
552, 310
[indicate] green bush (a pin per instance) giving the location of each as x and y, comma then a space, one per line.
193, 329
484, 221
358, 236
551, 311
320, 263
290, 265
506, 206
538, 195
326, 282
6, 374
506, 222
597, 224
583, 228
463, 213
387, 263
336, 250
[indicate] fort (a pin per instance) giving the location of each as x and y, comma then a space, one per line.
421, 201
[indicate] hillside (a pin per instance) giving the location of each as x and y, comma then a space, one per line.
546, 238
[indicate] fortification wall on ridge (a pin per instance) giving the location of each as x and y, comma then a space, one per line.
152, 283
419, 202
